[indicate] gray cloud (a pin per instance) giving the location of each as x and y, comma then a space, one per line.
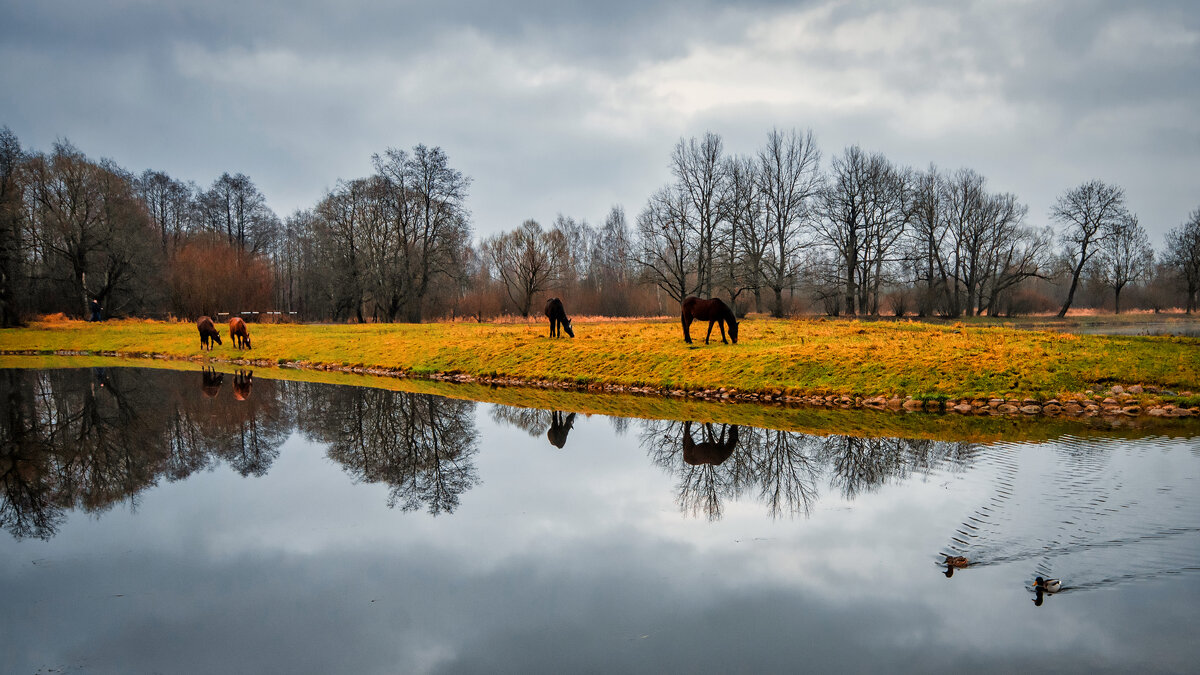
571, 107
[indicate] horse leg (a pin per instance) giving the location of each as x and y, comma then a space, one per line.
710, 325
687, 337
721, 324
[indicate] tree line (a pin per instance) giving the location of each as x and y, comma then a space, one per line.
776, 231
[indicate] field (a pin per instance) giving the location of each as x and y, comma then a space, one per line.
789, 357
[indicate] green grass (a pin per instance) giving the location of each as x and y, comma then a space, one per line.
798, 357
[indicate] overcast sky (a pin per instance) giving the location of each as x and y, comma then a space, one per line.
571, 107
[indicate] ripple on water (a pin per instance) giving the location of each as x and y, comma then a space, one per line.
1090, 511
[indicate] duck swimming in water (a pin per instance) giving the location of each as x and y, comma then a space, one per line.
953, 561
1047, 585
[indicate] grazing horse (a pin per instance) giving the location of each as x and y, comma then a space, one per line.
210, 384
715, 450
238, 333
712, 311
207, 333
558, 317
559, 428
242, 380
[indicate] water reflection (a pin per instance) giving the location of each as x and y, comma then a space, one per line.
555, 424
421, 446
242, 382
566, 558
89, 439
783, 469
560, 426
1094, 512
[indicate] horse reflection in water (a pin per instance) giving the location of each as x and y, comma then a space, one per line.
714, 450
210, 382
242, 381
559, 428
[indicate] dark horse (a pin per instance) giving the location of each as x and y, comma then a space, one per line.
559, 428
238, 333
207, 333
558, 317
714, 450
712, 311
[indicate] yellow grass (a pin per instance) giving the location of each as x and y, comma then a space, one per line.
800, 357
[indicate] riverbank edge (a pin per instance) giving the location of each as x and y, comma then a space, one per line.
1119, 401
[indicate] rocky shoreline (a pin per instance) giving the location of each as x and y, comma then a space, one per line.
1118, 401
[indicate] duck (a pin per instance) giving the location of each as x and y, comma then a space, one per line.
1047, 585
956, 561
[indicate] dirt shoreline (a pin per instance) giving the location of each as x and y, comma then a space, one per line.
1132, 400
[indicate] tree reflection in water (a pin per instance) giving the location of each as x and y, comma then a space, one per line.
89, 439
555, 424
783, 468
422, 446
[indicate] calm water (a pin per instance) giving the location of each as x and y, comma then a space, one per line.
1177, 328
160, 521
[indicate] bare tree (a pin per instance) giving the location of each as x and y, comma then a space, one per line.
428, 209
88, 221
579, 238
747, 215
1183, 254
928, 234
789, 180
236, 207
527, 260
668, 244
341, 217
169, 203
864, 210
700, 176
612, 263
1090, 213
13, 245
1123, 257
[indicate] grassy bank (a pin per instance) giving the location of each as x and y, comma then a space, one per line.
796, 357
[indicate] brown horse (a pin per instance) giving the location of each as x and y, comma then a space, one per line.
207, 333
558, 317
712, 311
238, 333
713, 451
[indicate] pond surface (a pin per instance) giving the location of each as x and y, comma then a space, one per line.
163, 521
1178, 327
